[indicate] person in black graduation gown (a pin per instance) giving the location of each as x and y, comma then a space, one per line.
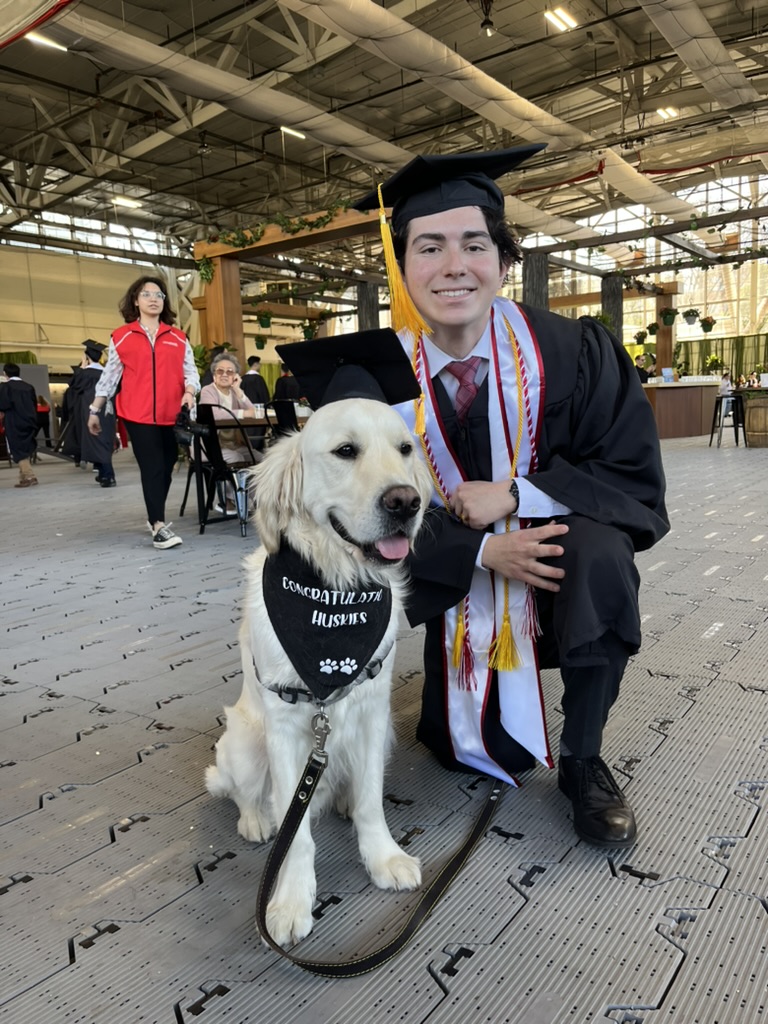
18, 404
255, 387
80, 444
548, 478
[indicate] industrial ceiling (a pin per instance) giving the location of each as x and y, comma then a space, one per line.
182, 107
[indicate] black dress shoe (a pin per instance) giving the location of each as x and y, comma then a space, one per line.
601, 814
108, 482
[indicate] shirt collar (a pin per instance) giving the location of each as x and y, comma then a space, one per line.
438, 360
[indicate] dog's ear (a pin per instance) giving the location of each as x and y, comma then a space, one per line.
279, 483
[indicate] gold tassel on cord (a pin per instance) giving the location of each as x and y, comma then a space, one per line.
503, 654
462, 656
458, 640
403, 312
421, 426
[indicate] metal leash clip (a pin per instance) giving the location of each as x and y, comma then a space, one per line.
321, 728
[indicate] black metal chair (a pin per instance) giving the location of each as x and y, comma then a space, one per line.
737, 415
281, 417
213, 472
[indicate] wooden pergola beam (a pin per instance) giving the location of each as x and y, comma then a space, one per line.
344, 224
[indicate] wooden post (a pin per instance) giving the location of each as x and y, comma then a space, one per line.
612, 303
367, 306
664, 336
223, 314
536, 280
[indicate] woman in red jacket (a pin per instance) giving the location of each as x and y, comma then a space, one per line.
153, 363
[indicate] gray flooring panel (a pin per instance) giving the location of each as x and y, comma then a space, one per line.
128, 896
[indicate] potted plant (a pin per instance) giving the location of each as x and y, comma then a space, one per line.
668, 314
309, 329
714, 363
264, 317
691, 315
603, 318
641, 336
653, 327
707, 323
260, 340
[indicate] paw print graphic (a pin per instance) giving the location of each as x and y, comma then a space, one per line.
348, 666
328, 666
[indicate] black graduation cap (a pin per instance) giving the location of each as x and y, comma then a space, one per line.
433, 184
93, 349
369, 364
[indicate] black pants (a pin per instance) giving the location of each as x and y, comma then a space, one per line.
590, 628
156, 452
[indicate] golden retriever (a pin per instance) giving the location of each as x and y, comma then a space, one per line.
347, 495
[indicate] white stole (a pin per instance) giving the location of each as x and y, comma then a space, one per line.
520, 698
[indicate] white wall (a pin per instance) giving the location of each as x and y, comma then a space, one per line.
51, 302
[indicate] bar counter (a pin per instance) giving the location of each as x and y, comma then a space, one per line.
683, 409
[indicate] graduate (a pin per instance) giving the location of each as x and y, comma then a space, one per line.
545, 459
80, 444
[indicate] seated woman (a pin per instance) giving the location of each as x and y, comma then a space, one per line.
223, 394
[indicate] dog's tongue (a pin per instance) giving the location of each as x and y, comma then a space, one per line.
393, 548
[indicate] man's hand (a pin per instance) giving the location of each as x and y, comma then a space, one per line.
478, 503
517, 555
94, 424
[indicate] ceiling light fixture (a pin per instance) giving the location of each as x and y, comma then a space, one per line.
133, 204
561, 19
486, 25
666, 113
292, 131
203, 149
35, 37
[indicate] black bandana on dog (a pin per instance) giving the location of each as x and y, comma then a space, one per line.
329, 635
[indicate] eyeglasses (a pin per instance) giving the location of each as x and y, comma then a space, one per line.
224, 373
153, 295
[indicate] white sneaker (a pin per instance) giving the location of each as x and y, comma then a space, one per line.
165, 538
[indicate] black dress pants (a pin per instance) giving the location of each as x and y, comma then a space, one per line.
156, 452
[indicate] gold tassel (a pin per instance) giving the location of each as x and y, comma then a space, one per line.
403, 312
458, 640
503, 653
421, 427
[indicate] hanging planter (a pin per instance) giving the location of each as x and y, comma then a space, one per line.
260, 341
653, 328
309, 329
707, 323
691, 316
640, 337
264, 317
668, 314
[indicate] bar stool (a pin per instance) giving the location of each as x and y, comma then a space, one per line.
737, 414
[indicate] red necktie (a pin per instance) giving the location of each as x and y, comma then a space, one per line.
465, 372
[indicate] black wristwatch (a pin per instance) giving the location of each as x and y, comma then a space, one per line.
513, 490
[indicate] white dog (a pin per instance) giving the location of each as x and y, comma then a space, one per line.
346, 495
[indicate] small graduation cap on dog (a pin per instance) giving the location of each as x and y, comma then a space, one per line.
94, 349
369, 364
434, 184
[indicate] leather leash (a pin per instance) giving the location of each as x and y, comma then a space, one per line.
316, 764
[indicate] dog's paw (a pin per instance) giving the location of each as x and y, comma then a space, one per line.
289, 922
328, 666
396, 872
348, 666
255, 826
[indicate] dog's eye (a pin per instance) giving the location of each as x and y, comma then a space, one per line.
406, 448
347, 451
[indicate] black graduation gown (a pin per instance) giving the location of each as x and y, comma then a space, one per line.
18, 400
255, 387
79, 443
598, 454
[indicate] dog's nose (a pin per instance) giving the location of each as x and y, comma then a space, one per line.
401, 502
